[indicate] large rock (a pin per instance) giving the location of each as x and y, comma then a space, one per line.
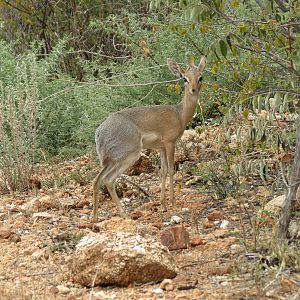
120, 258
275, 205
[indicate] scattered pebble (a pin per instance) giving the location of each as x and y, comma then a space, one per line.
196, 241
167, 285
215, 215
53, 290
5, 233
63, 289
157, 291
42, 215
207, 224
224, 224
175, 220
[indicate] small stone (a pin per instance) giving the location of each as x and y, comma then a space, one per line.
5, 233
136, 214
185, 210
196, 241
175, 238
157, 291
175, 220
42, 215
224, 283
224, 224
167, 285
207, 224
63, 289
53, 290
215, 215
2, 278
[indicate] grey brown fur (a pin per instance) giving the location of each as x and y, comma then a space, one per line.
122, 136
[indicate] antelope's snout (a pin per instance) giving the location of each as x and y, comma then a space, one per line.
194, 87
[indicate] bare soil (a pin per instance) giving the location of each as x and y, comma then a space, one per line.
40, 229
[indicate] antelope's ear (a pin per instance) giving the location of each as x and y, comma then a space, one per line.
202, 64
174, 67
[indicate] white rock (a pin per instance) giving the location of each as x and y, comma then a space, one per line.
167, 285
42, 215
125, 201
63, 289
157, 291
104, 296
175, 220
224, 224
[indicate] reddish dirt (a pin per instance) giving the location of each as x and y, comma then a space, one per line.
40, 229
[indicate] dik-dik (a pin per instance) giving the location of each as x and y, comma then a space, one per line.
122, 136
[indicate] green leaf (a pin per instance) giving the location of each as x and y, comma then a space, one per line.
151, 5
223, 48
285, 104
245, 113
254, 104
259, 103
277, 100
267, 103
195, 13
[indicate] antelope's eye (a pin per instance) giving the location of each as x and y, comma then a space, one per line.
200, 79
185, 80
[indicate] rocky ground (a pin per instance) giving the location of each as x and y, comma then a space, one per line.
223, 257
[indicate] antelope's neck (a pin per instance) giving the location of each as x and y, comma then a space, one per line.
188, 107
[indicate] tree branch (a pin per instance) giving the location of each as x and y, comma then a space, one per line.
285, 217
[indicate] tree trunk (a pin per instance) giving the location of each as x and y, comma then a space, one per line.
285, 217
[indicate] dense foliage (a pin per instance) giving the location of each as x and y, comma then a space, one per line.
73, 62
